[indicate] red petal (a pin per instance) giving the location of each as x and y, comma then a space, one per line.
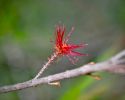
60, 31
73, 53
73, 46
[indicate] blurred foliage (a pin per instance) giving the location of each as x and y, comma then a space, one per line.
74, 92
26, 29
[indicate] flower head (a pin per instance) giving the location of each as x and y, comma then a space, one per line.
62, 47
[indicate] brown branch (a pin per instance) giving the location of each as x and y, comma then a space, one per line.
115, 65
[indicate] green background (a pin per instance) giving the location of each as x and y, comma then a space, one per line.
28, 26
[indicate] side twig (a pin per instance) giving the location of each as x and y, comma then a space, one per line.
115, 65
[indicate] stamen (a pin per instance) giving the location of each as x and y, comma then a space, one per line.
68, 36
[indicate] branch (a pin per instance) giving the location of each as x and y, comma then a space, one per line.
115, 64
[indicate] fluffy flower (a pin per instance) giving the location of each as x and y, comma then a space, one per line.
62, 47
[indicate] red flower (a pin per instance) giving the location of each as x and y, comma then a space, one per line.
63, 48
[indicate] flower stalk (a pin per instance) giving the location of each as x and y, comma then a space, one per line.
50, 60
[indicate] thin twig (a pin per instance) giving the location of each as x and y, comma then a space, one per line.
50, 60
109, 65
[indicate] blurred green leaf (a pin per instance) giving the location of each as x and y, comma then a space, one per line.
75, 90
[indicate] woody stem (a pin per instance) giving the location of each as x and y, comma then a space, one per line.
50, 60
